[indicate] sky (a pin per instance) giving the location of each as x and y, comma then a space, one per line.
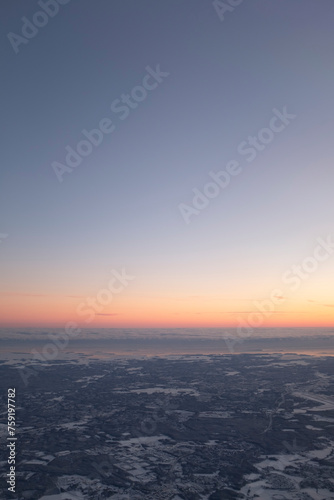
209, 180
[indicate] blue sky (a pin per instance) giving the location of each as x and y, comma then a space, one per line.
120, 206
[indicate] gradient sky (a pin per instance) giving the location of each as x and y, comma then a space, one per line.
120, 207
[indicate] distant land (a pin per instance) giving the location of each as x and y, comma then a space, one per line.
51, 344
191, 427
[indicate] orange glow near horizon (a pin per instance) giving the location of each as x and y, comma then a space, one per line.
133, 311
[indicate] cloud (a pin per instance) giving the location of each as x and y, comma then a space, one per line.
16, 294
271, 312
106, 314
19, 294
320, 303
223, 299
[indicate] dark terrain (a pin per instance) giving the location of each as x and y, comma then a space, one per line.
191, 427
